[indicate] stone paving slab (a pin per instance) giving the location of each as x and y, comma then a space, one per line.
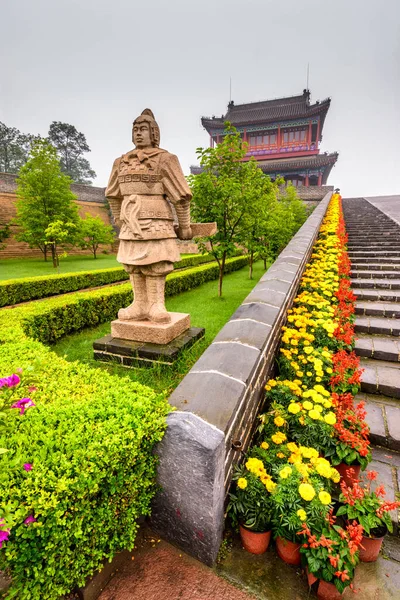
378, 347
378, 309
377, 295
159, 571
378, 325
380, 378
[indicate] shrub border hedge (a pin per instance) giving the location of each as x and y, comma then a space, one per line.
48, 322
15, 291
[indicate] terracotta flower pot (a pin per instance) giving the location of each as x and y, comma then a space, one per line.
328, 591
310, 577
345, 474
288, 551
254, 541
371, 545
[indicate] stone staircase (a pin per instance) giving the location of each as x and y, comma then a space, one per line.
374, 251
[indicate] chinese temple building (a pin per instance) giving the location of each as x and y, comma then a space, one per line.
283, 135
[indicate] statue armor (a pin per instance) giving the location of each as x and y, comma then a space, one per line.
143, 184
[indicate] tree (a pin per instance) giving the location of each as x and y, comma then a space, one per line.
14, 148
59, 232
226, 191
44, 196
93, 232
71, 145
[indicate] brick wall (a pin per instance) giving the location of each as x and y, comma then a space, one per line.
90, 200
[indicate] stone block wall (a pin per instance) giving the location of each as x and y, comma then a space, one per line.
218, 401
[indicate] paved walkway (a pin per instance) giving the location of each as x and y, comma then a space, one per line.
158, 571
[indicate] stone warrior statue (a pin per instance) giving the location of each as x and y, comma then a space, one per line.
141, 183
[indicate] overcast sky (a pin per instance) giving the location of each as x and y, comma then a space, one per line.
98, 63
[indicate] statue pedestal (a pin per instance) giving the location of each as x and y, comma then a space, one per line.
127, 353
153, 333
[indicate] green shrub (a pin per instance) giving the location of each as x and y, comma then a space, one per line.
14, 291
90, 439
55, 318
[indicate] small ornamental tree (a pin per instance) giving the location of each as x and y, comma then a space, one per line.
93, 232
59, 232
226, 191
44, 196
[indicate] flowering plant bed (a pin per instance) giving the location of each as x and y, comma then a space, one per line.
367, 506
313, 424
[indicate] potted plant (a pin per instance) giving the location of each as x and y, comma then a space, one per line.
367, 507
331, 555
250, 505
300, 496
352, 447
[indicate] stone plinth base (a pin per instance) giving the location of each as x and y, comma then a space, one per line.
141, 354
147, 331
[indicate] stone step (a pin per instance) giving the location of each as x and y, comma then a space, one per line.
389, 310
380, 377
374, 274
366, 260
368, 267
373, 247
383, 418
376, 282
378, 325
379, 347
377, 295
373, 253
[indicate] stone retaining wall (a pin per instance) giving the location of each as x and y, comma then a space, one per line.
217, 404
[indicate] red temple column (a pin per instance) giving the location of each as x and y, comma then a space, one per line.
320, 179
309, 134
278, 140
307, 181
317, 140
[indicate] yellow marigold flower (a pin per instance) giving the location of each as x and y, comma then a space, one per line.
327, 404
264, 445
302, 514
279, 421
308, 405
280, 455
309, 374
270, 485
330, 418
285, 472
318, 379
292, 447
329, 370
318, 408
335, 475
278, 438
299, 373
295, 458
324, 497
308, 349
302, 420
306, 491
294, 408
242, 483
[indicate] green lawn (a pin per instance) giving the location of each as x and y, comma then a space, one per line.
15, 268
206, 310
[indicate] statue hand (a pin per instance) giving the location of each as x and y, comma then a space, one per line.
184, 233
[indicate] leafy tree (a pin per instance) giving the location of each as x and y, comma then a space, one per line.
44, 196
226, 191
71, 145
59, 232
14, 148
93, 232
288, 215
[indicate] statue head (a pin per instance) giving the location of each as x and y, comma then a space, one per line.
145, 131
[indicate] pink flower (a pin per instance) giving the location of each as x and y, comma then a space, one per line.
23, 404
28, 467
10, 381
30, 519
4, 533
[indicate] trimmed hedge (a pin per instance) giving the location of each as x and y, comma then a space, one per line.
49, 321
90, 439
14, 291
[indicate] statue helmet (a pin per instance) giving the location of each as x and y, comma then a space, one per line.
148, 117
